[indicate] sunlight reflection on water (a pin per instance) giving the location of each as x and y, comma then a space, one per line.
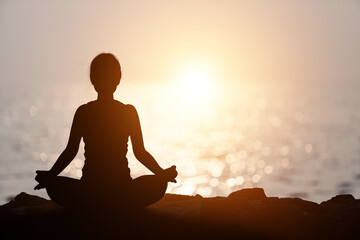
221, 143
229, 138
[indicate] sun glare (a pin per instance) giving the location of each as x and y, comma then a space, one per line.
195, 82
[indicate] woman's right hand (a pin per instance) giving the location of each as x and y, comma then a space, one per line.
42, 177
170, 174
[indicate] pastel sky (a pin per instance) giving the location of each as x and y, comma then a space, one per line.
238, 40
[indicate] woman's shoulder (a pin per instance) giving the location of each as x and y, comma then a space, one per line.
85, 106
81, 109
127, 107
94, 106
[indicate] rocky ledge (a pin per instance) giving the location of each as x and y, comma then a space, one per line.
244, 214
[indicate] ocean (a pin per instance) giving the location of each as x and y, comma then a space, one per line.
293, 140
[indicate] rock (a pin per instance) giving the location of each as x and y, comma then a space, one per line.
249, 194
339, 200
244, 214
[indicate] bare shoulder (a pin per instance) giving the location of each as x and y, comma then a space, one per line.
81, 110
131, 109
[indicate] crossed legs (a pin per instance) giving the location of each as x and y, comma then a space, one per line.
142, 191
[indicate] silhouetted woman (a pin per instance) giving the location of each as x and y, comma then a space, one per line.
105, 126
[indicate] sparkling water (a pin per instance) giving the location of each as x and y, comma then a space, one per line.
291, 140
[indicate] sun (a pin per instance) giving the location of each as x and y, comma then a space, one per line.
195, 81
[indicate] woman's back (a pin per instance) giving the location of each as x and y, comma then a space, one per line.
105, 129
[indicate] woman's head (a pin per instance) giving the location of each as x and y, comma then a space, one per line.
105, 73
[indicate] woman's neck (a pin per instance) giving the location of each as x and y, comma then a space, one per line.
105, 97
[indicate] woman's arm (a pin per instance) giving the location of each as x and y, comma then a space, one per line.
66, 156
138, 144
140, 152
72, 147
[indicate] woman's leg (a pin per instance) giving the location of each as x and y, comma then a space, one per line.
147, 190
70, 192
66, 191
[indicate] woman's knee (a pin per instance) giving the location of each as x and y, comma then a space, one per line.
54, 194
151, 182
63, 190
149, 189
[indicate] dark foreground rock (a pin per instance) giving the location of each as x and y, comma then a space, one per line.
245, 214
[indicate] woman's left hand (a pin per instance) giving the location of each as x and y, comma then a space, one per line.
170, 174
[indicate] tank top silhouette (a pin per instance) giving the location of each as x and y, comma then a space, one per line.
105, 129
